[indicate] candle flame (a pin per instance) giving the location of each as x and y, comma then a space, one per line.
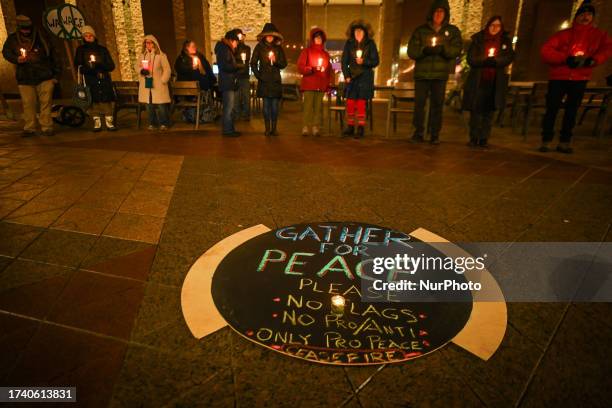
23, 52
491, 52
92, 58
433, 41
338, 300
359, 53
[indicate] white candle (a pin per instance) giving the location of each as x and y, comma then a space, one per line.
359, 53
433, 41
92, 58
23, 52
243, 56
337, 304
320, 62
145, 64
491, 52
196, 60
270, 56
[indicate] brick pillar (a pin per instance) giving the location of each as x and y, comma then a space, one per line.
388, 39
180, 28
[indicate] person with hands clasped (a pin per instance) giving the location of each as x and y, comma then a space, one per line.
95, 63
434, 46
489, 55
267, 62
571, 55
37, 73
359, 58
315, 66
155, 72
228, 78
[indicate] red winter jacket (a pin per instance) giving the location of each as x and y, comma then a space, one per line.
313, 80
594, 43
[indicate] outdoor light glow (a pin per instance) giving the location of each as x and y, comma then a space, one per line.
337, 304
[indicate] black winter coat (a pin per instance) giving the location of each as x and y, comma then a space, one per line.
243, 48
476, 58
228, 66
361, 85
97, 74
185, 71
269, 83
40, 65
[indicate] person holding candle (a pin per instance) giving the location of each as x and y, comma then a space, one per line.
315, 66
266, 63
242, 108
155, 71
359, 58
192, 65
485, 89
37, 73
228, 80
95, 63
571, 55
435, 47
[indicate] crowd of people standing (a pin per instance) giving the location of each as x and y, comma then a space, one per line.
435, 46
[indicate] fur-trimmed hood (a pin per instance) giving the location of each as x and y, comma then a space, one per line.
270, 29
359, 23
151, 38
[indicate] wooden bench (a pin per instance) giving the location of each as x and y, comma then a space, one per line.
192, 97
404, 92
127, 98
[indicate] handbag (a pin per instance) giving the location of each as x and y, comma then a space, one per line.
81, 96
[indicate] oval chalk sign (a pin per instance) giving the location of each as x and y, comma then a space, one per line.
298, 290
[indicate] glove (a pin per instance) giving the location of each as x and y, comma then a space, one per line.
429, 50
574, 62
490, 62
145, 72
589, 62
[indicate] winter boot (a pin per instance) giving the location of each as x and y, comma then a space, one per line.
267, 123
305, 131
109, 123
545, 148
349, 131
315, 131
565, 148
273, 131
97, 124
416, 138
435, 140
360, 132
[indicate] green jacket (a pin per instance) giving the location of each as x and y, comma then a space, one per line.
436, 66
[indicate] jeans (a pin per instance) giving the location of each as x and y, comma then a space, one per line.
270, 108
228, 107
33, 96
313, 108
242, 107
435, 90
158, 114
557, 89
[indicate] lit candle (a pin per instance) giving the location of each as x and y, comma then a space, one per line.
270, 56
92, 58
23, 52
196, 60
491, 52
359, 53
337, 304
433, 41
243, 56
145, 64
579, 53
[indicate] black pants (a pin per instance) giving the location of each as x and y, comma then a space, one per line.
557, 89
481, 116
435, 90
